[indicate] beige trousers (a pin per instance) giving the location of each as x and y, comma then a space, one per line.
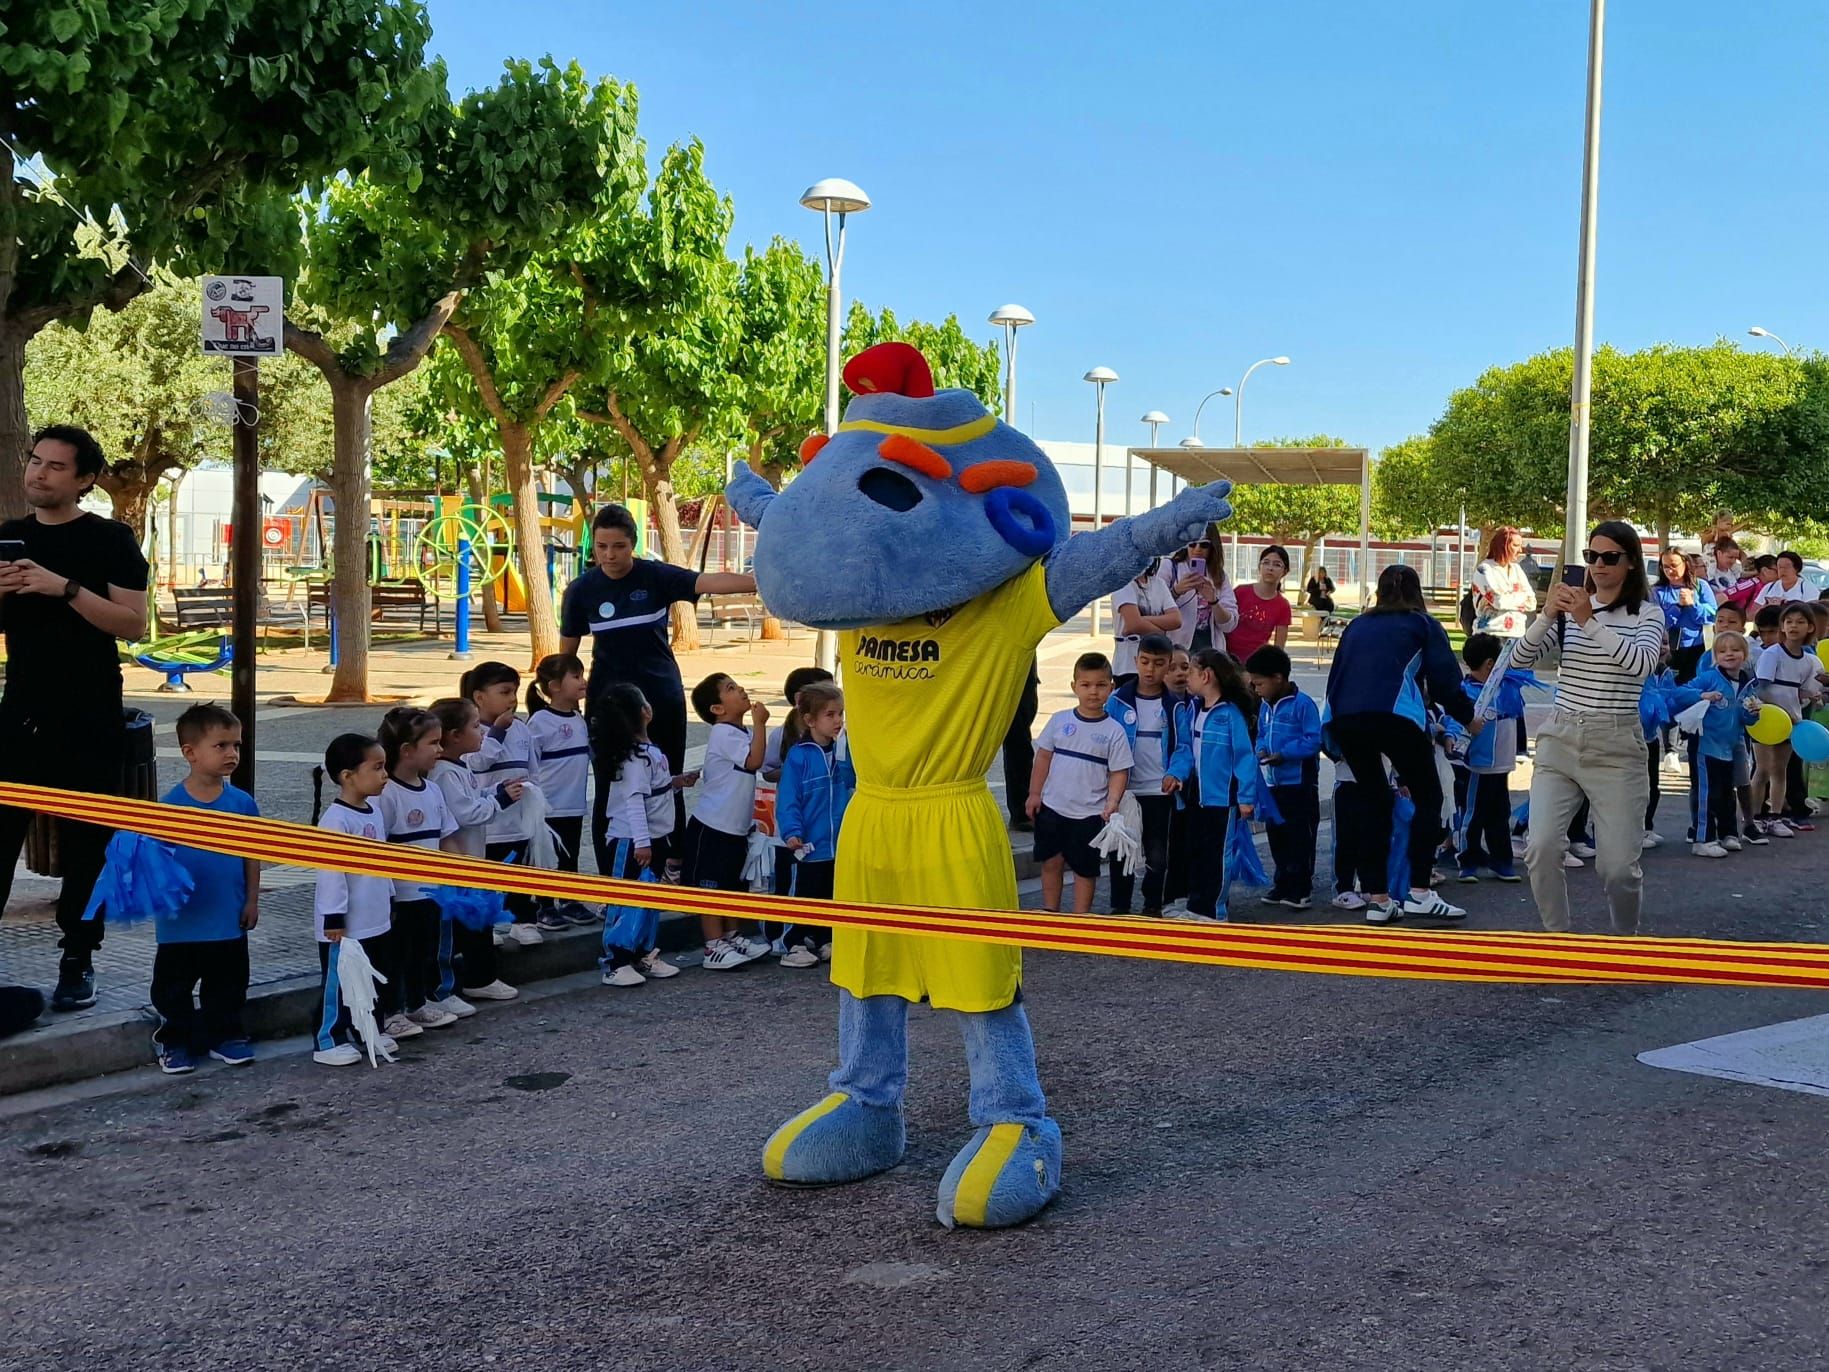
1601, 757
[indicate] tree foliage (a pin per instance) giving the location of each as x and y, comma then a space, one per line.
175, 134
1297, 516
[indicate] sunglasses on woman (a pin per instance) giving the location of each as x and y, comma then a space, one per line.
1590, 556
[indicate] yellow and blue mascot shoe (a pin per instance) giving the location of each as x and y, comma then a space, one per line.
836, 1141
1004, 1176
857, 1131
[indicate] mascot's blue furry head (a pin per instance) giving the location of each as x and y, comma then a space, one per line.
922, 501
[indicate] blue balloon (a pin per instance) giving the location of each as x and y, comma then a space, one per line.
1810, 741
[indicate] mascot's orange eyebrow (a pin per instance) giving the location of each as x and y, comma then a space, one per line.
911, 453
810, 446
985, 476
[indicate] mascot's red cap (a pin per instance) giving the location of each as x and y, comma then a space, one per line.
890, 369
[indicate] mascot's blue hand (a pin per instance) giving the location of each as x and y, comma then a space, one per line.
749, 495
1095, 564
1185, 518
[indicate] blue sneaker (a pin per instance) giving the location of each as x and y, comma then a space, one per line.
1506, 874
175, 1062
1469, 875
235, 1052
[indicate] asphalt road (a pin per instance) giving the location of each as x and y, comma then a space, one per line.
1262, 1170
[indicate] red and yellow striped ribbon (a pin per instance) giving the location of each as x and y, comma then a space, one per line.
1438, 955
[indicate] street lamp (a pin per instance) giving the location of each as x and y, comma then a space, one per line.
1100, 377
1758, 332
833, 196
1238, 401
1193, 439
1155, 419
1012, 318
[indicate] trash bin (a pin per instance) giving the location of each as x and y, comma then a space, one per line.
139, 781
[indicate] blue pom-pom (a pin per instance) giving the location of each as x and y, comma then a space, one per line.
469, 907
1242, 862
141, 879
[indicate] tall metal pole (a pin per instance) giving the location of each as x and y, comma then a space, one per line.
1009, 373
1575, 518
825, 645
1098, 485
245, 558
1153, 428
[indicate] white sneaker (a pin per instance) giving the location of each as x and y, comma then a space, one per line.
1432, 906
1779, 829
400, 1027
1708, 850
526, 935
1189, 917
455, 1006
825, 952
386, 1045
751, 948
800, 956
499, 935
623, 976
431, 1016
1582, 850
1732, 844
343, 1055
1570, 860
721, 955
1651, 839
1383, 912
653, 965
495, 990
1348, 900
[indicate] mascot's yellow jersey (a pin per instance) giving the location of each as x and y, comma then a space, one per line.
927, 704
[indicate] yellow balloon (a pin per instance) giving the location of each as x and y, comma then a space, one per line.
1822, 651
1772, 726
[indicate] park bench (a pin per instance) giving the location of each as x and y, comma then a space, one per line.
730, 609
196, 609
396, 603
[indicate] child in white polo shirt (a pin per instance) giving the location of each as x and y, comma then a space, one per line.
1082, 762
716, 843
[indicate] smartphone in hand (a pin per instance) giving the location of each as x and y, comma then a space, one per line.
12, 549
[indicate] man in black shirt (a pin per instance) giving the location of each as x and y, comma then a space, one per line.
71, 584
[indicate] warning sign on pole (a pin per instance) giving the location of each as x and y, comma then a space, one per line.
243, 316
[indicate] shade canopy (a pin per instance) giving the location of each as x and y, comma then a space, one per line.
1261, 466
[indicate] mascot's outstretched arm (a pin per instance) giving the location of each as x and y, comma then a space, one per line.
1095, 564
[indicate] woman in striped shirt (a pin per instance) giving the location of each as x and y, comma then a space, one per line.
1611, 634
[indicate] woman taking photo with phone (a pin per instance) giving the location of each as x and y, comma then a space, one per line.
1208, 605
1611, 633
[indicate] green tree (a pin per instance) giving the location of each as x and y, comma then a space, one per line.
1410, 496
781, 355
957, 360
136, 380
171, 134
1299, 516
506, 172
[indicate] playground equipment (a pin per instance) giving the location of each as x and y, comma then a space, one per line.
180, 655
463, 533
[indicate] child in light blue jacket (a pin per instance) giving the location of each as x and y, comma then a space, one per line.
1733, 701
1215, 764
817, 781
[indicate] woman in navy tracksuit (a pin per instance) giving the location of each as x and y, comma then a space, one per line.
1377, 709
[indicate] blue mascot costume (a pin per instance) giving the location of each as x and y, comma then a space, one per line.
933, 538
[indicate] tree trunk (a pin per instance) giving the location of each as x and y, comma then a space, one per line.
349, 596
492, 607
768, 471
530, 538
15, 429
663, 503
1308, 558
131, 497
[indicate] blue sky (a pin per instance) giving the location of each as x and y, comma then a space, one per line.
1387, 192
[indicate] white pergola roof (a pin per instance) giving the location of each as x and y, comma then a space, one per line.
1278, 467
1261, 466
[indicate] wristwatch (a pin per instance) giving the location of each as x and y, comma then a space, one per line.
72, 589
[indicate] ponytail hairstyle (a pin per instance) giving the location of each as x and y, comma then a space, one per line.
1231, 685
484, 675
550, 670
797, 681
345, 753
814, 697
402, 727
616, 726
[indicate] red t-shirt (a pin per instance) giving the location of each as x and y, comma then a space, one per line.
1258, 619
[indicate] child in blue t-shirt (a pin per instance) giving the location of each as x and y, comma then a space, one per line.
203, 948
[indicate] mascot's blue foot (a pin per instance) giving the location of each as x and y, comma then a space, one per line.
1004, 1176
834, 1142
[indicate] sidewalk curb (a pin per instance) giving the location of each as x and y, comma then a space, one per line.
62, 1049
